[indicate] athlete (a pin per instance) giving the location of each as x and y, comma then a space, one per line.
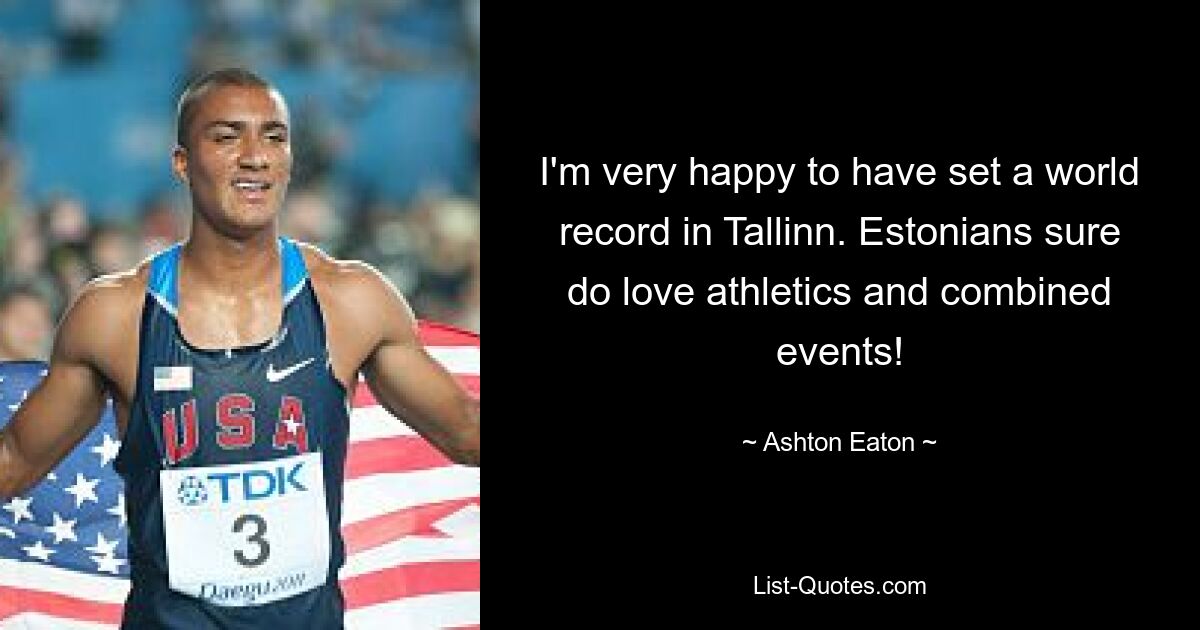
229, 359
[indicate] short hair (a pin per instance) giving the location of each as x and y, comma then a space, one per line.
186, 110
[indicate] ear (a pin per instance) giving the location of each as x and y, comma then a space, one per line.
179, 163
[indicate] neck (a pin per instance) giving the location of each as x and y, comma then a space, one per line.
233, 264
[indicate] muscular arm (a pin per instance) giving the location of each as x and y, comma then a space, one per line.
406, 380
62, 409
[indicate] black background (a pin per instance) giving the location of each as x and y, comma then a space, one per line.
1057, 486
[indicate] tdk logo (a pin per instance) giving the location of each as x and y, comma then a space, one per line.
252, 485
247, 485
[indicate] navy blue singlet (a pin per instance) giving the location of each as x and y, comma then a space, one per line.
220, 421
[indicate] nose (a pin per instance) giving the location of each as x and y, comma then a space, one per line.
252, 156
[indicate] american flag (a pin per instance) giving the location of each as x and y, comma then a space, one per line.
410, 520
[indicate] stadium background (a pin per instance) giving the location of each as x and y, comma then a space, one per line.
384, 99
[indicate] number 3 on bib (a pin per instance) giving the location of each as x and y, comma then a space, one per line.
247, 534
257, 538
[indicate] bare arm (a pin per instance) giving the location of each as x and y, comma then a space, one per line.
61, 410
411, 384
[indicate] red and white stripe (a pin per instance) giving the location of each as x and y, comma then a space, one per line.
410, 522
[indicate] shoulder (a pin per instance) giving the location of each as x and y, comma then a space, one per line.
104, 315
112, 294
352, 280
358, 300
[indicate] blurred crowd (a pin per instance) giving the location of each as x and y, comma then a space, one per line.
428, 245
358, 34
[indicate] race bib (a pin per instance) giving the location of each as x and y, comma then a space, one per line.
247, 534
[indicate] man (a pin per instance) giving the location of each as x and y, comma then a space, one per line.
229, 359
25, 324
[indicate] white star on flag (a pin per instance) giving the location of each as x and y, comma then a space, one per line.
108, 450
292, 425
83, 489
118, 508
108, 564
19, 508
103, 547
39, 551
62, 529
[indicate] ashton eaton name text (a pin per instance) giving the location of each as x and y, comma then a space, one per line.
856, 442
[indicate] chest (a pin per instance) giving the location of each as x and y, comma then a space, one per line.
217, 406
215, 320
256, 409
215, 324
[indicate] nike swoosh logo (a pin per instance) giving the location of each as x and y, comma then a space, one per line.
275, 377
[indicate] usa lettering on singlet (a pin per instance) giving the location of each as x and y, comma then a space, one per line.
233, 463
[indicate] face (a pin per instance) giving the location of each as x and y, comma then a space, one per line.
238, 158
25, 329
